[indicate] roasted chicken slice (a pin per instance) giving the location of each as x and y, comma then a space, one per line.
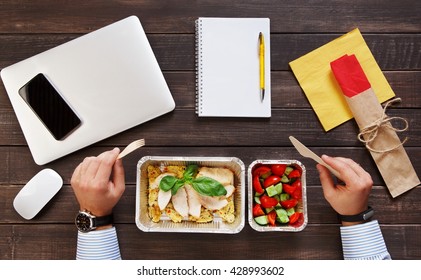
163, 198
212, 202
194, 201
179, 201
222, 175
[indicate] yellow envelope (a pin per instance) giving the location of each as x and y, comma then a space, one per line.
318, 83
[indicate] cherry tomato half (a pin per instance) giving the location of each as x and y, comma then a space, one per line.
257, 186
272, 218
299, 221
297, 183
258, 211
289, 203
294, 218
294, 174
268, 202
289, 189
262, 171
271, 180
278, 169
298, 192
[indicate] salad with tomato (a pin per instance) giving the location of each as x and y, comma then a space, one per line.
277, 194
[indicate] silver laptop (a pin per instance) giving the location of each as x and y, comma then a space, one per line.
87, 89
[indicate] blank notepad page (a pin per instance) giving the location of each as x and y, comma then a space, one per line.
227, 51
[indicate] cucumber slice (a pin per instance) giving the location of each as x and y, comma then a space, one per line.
257, 199
261, 220
288, 170
278, 188
282, 216
290, 211
268, 210
284, 196
271, 191
285, 179
274, 190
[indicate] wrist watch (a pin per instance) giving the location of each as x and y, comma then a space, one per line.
361, 217
86, 222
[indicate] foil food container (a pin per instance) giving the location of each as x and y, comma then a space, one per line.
144, 222
302, 205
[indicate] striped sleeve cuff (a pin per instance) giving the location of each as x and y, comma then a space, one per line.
98, 245
364, 242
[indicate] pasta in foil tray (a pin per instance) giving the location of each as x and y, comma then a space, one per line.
190, 192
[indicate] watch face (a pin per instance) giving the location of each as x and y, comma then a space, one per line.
83, 222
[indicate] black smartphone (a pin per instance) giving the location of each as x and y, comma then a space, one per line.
50, 107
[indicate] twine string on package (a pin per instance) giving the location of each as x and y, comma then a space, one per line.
370, 132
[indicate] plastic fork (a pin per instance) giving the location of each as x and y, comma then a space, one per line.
131, 147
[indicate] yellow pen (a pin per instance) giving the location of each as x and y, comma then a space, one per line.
262, 65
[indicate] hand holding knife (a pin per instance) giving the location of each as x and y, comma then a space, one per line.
306, 152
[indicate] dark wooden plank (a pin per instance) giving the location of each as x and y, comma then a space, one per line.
254, 132
177, 17
286, 92
6, 242
62, 208
19, 166
303, 123
176, 52
314, 242
40, 242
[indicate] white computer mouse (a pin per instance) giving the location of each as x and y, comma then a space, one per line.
37, 193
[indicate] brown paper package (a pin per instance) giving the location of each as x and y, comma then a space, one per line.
394, 166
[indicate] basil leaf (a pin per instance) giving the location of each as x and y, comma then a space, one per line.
208, 186
167, 183
190, 172
177, 185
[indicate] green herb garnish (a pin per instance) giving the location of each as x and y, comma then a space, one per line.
203, 185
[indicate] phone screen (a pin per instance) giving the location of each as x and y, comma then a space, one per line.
50, 107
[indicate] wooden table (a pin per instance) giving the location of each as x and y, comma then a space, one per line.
392, 30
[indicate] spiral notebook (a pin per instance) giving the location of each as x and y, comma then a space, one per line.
228, 67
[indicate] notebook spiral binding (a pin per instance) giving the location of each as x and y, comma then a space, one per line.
199, 69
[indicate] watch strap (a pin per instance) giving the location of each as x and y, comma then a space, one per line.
103, 221
361, 217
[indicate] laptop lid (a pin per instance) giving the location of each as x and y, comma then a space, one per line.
87, 89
